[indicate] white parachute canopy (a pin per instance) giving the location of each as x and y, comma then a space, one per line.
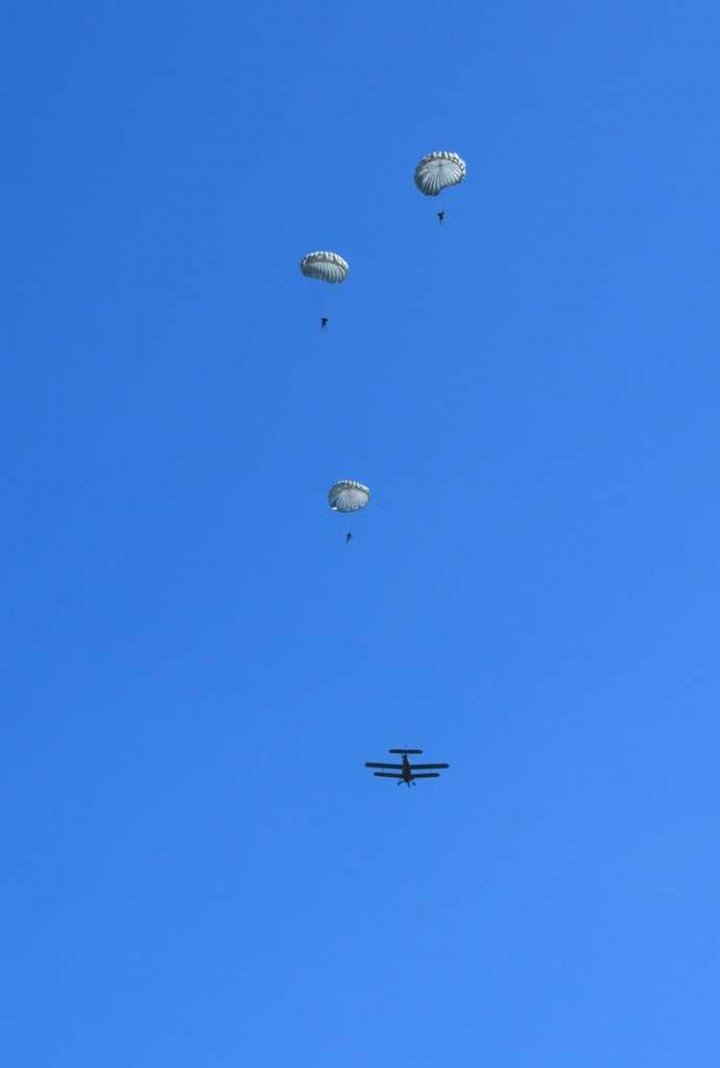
348, 496
325, 267
439, 171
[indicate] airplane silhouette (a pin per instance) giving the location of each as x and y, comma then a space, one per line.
407, 772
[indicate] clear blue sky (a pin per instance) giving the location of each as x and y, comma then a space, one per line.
197, 870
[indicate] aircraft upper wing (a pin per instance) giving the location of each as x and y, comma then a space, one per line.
373, 764
427, 767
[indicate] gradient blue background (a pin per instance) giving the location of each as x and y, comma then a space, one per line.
197, 870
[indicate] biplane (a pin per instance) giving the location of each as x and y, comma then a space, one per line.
406, 772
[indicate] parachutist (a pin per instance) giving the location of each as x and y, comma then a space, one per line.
441, 217
323, 322
348, 537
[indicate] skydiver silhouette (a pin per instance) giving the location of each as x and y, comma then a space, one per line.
348, 537
323, 322
441, 216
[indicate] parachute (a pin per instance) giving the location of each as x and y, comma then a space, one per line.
439, 171
325, 267
348, 496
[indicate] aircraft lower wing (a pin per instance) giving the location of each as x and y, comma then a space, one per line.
424, 775
386, 775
